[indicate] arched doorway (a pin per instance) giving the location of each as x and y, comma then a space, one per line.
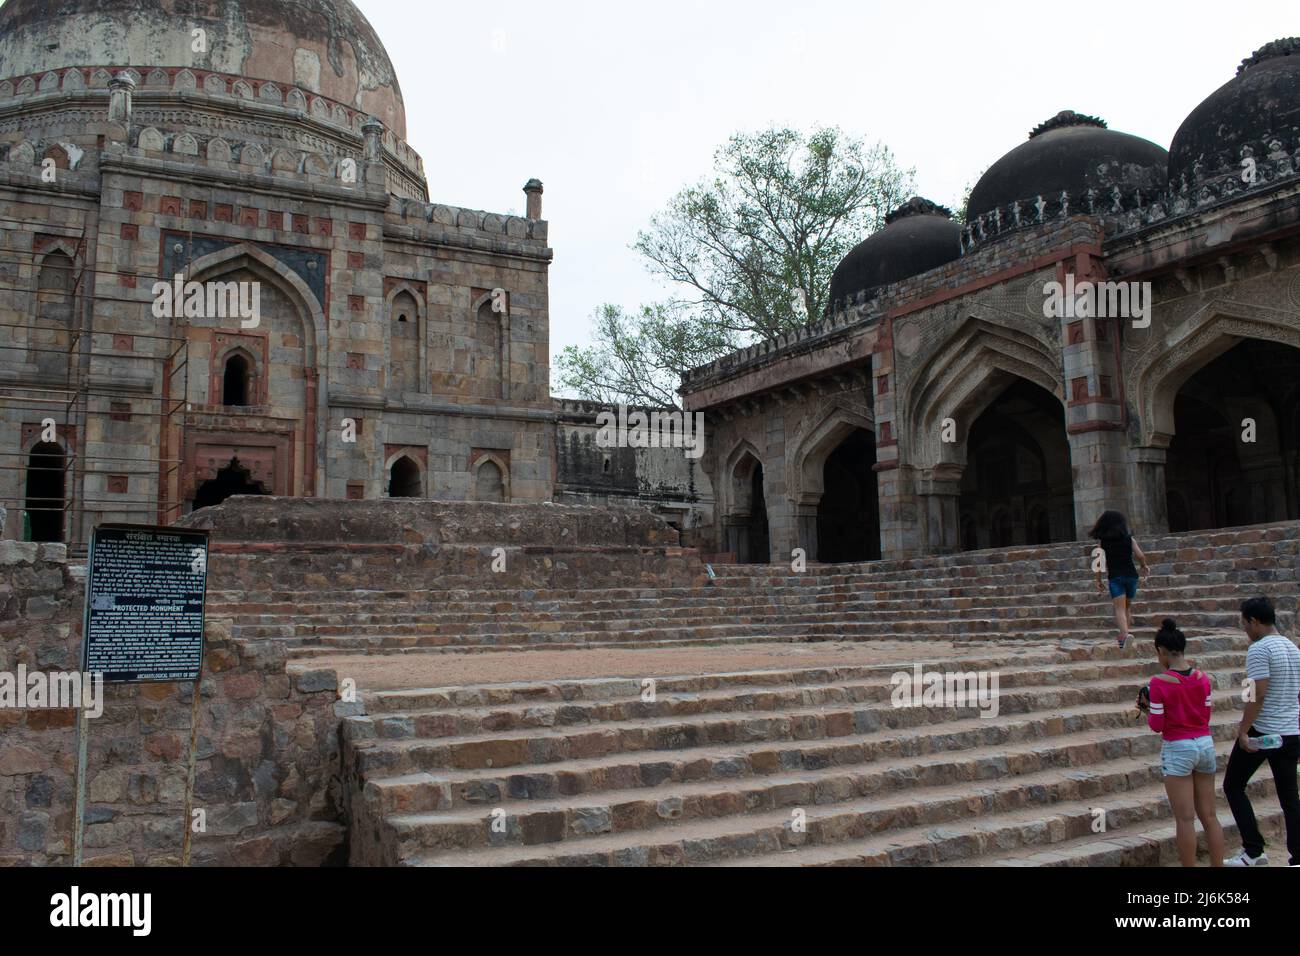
1017, 487
46, 492
234, 479
746, 524
848, 515
404, 479
1233, 457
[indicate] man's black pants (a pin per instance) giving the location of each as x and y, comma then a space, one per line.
1242, 765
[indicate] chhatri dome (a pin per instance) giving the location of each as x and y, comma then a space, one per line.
319, 46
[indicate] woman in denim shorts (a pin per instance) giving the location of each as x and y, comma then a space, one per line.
1122, 558
1178, 705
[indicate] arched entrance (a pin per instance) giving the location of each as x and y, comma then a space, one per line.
1017, 486
848, 515
1233, 457
46, 492
404, 479
234, 479
746, 524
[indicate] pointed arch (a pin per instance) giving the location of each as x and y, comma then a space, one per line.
1191, 346
485, 483
964, 377
249, 257
393, 301
805, 474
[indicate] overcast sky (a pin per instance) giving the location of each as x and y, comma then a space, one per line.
616, 106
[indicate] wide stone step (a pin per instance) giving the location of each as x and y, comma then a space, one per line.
1161, 602
898, 827
438, 721
448, 790
527, 747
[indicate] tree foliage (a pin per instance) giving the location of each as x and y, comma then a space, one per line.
748, 254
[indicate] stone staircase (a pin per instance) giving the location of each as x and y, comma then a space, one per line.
1041, 593
797, 767
780, 764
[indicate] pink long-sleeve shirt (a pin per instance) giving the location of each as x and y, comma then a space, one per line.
1181, 711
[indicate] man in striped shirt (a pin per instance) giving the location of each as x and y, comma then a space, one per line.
1273, 666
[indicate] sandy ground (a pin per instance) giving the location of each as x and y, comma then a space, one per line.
388, 672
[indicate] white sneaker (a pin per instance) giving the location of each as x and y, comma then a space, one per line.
1245, 859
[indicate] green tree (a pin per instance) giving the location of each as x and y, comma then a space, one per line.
748, 255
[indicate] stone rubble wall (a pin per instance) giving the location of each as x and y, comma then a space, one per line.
267, 764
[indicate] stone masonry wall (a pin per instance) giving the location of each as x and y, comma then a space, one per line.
267, 745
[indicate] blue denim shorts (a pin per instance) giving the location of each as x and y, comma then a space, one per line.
1181, 758
1123, 587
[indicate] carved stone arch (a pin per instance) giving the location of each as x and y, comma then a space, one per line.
487, 457
1192, 345
481, 313
963, 378
218, 151
736, 472
414, 456
421, 328
248, 256
151, 139
284, 161
58, 245
315, 337
256, 378
805, 474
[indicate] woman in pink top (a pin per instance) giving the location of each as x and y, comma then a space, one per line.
1178, 705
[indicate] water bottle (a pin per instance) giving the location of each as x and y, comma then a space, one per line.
1267, 742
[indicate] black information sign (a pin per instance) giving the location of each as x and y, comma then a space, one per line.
145, 589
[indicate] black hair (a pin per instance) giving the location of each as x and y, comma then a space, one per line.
1111, 524
1170, 638
1259, 609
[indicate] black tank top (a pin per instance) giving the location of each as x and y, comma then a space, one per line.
1119, 557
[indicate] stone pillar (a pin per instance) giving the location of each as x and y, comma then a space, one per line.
1148, 511
1099, 463
805, 527
737, 536
533, 190
900, 513
940, 497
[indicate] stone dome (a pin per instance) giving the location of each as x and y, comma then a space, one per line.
1261, 102
918, 236
321, 46
1069, 153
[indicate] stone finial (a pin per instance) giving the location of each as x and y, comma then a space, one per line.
373, 131
533, 190
120, 89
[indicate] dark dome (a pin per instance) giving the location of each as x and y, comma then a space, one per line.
918, 236
1069, 153
1261, 101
